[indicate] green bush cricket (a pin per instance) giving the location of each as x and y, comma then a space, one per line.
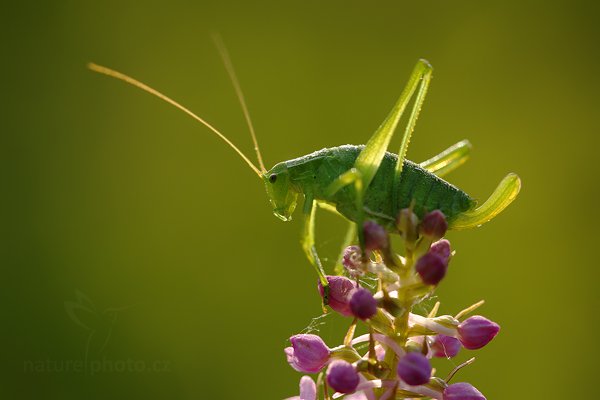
362, 182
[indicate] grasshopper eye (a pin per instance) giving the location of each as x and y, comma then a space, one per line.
272, 178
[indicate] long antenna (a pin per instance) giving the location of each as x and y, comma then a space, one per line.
115, 74
238, 90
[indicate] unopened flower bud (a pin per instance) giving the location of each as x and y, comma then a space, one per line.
376, 238
339, 293
414, 369
445, 346
434, 225
462, 391
407, 223
477, 331
352, 261
342, 376
431, 268
441, 248
362, 304
308, 353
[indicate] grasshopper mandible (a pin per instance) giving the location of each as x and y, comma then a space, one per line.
360, 182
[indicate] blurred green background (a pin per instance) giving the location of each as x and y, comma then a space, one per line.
161, 242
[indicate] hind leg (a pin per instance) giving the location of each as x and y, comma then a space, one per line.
449, 159
368, 161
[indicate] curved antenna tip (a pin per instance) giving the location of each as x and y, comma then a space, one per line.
140, 85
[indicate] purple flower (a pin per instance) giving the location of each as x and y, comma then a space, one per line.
308, 353
441, 248
376, 238
445, 346
362, 304
352, 261
434, 225
340, 289
477, 331
462, 391
414, 369
342, 377
431, 268
308, 389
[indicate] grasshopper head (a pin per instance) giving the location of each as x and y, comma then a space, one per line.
282, 194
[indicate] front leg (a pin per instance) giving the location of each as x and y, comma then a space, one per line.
308, 244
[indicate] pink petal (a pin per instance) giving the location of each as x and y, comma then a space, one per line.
308, 388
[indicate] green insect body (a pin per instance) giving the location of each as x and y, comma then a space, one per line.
313, 173
362, 182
